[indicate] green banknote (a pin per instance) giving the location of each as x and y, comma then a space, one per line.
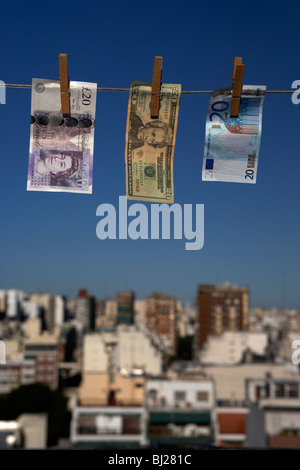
150, 143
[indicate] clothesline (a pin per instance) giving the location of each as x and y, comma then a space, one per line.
9, 85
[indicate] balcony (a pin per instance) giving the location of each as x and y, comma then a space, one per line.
108, 426
180, 416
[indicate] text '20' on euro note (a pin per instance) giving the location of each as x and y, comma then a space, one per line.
150, 143
232, 144
61, 148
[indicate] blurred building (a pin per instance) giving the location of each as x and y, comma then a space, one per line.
10, 376
85, 310
234, 347
13, 308
2, 352
230, 381
111, 427
111, 314
2, 303
230, 426
34, 428
94, 353
98, 367
109, 412
221, 308
10, 435
180, 411
41, 358
286, 345
124, 350
100, 314
59, 310
162, 317
47, 305
31, 309
274, 405
139, 312
12, 367
125, 307
187, 320
137, 351
97, 389
68, 343
28, 431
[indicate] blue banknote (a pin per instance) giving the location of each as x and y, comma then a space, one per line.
232, 144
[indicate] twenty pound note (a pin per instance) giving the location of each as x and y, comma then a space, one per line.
150, 143
61, 148
232, 144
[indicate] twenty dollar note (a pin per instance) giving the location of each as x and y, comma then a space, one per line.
150, 143
232, 144
61, 147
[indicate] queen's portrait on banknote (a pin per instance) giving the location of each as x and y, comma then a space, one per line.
59, 164
58, 168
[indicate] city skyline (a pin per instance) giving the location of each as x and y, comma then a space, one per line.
48, 241
193, 302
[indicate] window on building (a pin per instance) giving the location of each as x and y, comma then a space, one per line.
139, 385
163, 401
152, 394
179, 395
202, 396
40, 347
279, 390
292, 390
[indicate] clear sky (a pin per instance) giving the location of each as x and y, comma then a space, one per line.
48, 240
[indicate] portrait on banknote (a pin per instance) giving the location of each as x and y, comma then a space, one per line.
56, 167
156, 133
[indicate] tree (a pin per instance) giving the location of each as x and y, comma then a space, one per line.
38, 398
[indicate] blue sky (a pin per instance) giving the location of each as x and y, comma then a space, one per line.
48, 241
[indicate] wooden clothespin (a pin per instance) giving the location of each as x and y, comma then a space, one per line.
156, 87
237, 85
64, 84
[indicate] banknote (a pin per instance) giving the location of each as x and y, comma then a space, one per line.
150, 143
232, 145
61, 148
